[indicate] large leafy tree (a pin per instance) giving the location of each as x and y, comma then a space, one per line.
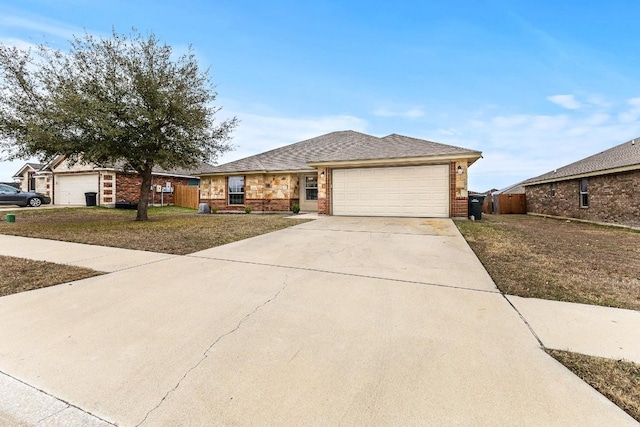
121, 100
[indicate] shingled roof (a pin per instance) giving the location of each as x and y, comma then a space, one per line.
625, 156
34, 166
122, 167
341, 146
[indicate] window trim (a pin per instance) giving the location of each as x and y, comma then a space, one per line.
584, 194
229, 192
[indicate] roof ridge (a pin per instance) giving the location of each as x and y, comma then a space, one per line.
428, 141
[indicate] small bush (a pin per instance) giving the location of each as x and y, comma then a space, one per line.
214, 210
247, 209
295, 208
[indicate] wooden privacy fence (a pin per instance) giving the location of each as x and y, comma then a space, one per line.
186, 196
510, 204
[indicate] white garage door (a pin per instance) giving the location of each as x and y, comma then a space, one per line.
418, 191
70, 189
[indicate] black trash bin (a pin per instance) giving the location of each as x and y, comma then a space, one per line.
475, 205
90, 198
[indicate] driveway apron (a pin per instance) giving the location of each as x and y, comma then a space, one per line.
339, 321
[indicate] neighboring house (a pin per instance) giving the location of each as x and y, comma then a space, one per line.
67, 184
346, 173
27, 178
604, 188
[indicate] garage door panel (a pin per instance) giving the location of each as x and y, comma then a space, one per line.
394, 191
70, 189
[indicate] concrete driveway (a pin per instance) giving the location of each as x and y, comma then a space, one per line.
339, 321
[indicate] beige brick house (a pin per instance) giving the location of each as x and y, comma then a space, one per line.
67, 183
346, 173
604, 188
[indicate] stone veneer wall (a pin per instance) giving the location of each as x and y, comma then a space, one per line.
324, 191
262, 192
127, 188
458, 191
43, 185
613, 198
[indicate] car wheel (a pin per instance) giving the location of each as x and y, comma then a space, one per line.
35, 202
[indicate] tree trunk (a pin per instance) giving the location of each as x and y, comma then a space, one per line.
143, 202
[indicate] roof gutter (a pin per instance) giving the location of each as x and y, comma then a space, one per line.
254, 172
471, 157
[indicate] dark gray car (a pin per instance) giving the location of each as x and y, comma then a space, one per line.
12, 196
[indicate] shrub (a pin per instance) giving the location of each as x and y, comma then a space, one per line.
247, 209
295, 208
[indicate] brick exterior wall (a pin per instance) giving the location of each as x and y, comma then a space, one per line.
458, 193
262, 192
324, 191
127, 188
613, 198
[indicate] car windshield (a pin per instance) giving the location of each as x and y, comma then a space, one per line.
7, 189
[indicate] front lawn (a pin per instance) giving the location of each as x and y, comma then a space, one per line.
169, 230
19, 274
531, 256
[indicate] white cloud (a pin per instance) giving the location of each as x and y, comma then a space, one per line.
20, 44
565, 101
40, 25
521, 146
411, 113
257, 133
631, 114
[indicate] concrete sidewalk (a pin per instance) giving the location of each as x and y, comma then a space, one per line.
608, 332
99, 258
351, 321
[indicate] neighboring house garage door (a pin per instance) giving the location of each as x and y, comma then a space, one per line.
420, 191
70, 189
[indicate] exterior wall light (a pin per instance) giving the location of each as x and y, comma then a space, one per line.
460, 170
322, 174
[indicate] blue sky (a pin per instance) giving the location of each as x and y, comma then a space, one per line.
534, 85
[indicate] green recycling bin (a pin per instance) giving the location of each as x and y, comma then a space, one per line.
475, 206
11, 218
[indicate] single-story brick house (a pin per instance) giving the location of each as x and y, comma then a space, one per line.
603, 188
346, 173
66, 183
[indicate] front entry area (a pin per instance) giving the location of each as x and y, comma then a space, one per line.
309, 192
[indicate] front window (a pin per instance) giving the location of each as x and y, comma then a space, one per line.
584, 193
553, 189
32, 182
311, 188
236, 190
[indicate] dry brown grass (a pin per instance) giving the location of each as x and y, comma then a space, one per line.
618, 380
537, 257
169, 230
19, 274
